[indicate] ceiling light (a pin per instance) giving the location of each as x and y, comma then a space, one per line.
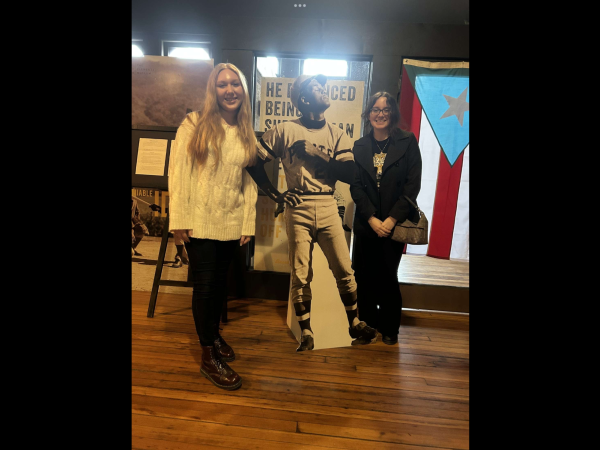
328, 67
189, 52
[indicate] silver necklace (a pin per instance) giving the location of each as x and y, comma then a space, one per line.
384, 145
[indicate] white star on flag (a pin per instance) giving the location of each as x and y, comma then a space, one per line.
457, 106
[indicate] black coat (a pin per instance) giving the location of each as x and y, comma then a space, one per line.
401, 176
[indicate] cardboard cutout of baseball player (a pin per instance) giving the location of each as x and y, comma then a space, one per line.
314, 155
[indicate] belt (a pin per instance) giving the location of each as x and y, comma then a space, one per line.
317, 193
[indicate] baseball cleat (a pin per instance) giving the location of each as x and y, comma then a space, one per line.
307, 343
363, 334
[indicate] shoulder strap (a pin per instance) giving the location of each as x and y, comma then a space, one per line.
412, 203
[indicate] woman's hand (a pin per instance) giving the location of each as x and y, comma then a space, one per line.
244, 240
378, 227
182, 235
389, 224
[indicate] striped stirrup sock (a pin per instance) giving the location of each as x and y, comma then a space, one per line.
302, 310
349, 301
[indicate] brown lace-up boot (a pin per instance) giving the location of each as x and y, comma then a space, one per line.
217, 371
225, 351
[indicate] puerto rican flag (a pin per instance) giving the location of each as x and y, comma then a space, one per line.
434, 105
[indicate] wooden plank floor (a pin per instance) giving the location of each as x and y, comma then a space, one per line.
410, 396
421, 269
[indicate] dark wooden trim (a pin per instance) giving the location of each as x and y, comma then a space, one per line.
435, 298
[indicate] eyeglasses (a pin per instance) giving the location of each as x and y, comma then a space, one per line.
385, 111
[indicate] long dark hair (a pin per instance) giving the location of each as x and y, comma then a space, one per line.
392, 104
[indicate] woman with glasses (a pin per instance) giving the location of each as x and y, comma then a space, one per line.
388, 167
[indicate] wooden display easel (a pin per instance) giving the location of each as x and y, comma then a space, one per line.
158, 273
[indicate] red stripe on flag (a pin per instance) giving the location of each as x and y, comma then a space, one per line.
410, 110
410, 106
444, 207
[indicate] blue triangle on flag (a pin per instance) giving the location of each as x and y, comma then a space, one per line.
443, 100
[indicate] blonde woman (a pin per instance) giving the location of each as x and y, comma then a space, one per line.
213, 205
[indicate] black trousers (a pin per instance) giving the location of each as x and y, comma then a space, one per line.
209, 261
375, 264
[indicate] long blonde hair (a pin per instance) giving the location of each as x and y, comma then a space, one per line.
209, 132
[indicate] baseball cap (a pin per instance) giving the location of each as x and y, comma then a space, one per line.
301, 82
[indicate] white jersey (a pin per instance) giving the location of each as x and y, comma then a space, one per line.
306, 175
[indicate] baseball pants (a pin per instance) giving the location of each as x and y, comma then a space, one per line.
317, 220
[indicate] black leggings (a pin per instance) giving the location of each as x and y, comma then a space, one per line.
209, 261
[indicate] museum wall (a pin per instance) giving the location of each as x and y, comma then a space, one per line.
238, 32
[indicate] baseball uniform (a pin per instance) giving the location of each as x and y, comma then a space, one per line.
317, 218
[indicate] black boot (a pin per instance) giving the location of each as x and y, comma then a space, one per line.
389, 340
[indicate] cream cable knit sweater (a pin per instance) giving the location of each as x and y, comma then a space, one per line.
219, 203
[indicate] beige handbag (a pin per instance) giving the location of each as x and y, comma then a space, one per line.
410, 232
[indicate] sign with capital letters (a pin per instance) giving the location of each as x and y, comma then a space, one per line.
346, 98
